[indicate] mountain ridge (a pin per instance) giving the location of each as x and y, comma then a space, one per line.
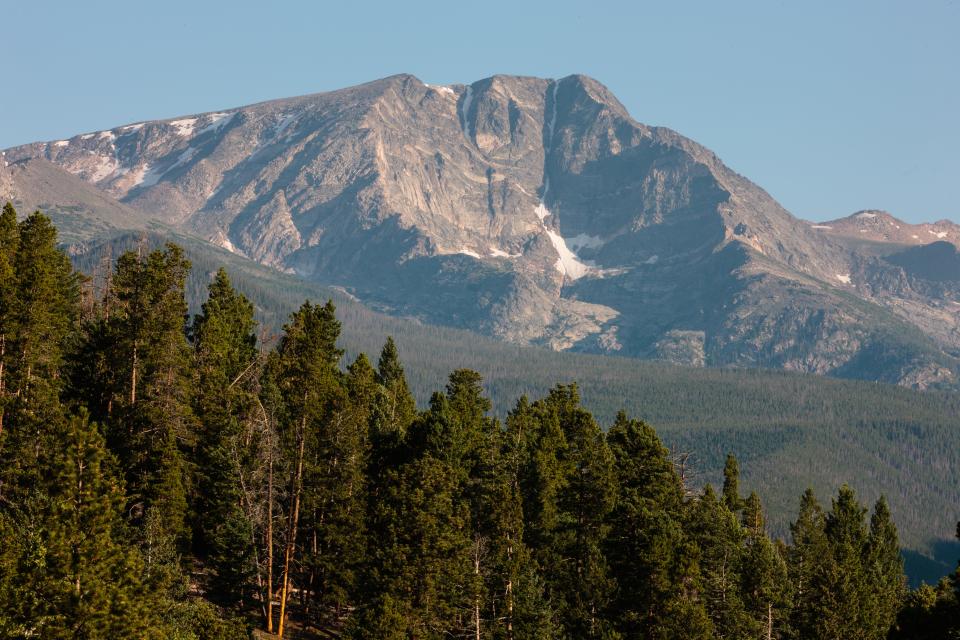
534, 210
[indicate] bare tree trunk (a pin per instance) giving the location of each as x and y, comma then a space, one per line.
133, 377
270, 539
80, 468
292, 527
769, 621
510, 588
476, 597
250, 512
3, 353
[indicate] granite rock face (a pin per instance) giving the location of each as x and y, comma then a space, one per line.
534, 210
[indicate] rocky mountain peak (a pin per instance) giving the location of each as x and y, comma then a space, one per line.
537, 210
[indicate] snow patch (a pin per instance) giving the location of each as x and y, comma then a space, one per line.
568, 264
866, 215
844, 278
86, 136
183, 158
651, 260
105, 167
217, 121
130, 128
820, 226
61, 143
496, 252
468, 252
145, 176
184, 127
915, 237
939, 234
282, 126
106, 135
226, 244
439, 88
542, 211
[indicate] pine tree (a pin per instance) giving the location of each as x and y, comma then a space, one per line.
581, 581
338, 535
731, 484
421, 578
526, 612
765, 585
720, 539
399, 408
77, 575
41, 319
843, 596
148, 404
808, 559
647, 547
225, 354
9, 244
310, 391
884, 570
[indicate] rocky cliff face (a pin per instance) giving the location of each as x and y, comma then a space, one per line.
534, 210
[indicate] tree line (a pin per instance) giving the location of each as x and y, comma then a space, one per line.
163, 476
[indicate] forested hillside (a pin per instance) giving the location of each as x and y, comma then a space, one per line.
790, 431
163, 476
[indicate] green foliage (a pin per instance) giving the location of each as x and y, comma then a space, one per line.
650, 554
225, 356
731, 484
789, 431
325, 490
145, 399
75, 574
199, 620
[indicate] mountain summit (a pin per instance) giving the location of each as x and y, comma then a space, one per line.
534, 210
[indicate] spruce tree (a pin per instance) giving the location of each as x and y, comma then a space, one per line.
647, 549
41, 320
844, 594
580, 581
9, 244
765, 586
720, 540
884, 570
309, 389
808, 560
225, 359
731, 484
149, 405
77, 574
398, 408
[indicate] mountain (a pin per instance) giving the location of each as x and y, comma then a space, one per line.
80, 210
535, 211
881, 227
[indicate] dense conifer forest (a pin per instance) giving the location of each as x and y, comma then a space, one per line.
169, 476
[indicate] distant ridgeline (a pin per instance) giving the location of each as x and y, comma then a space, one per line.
168, 476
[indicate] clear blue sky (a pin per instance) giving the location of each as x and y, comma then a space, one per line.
831, 106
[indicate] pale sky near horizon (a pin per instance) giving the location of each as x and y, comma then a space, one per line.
831, 106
